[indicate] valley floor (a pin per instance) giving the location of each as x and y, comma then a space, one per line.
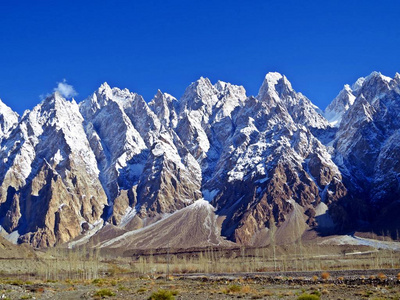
315, 269
339, 285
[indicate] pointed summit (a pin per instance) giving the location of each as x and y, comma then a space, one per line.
396, 80
273, 86
374, 76
336, 109
202, 80
358, 84
220, 85
98, 99
277, 91
52, 101
104, 86
158, 94
161, 98
104, 90
273, 77
201, 94
201, 86
165, 107
8, 119
375, 86
5, 109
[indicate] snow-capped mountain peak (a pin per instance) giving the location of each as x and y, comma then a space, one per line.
272, 78
277, 91
166, 108
220, 85
200, 95
372, 87
269, 89
230, 98
334, 112
162, 98
114, 157
8, 119
104, 88
377, 75
358, 84
373, 84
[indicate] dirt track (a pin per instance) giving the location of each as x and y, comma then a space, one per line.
353, 276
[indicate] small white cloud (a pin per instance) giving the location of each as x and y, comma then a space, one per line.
65, 89
44, 96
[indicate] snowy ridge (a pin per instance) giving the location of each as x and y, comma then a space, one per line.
116, 159
8, 119
334, 112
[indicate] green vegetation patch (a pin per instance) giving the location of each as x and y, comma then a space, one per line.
306, 296
232, 289
162, 295
104, 293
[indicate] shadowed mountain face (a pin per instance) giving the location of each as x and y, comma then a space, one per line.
135, 174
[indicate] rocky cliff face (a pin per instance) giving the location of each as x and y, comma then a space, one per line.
49, 175
65, 168
273, 165
368, 130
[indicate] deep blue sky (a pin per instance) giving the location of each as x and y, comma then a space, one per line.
146, 45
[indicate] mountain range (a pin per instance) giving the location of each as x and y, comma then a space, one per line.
217, 167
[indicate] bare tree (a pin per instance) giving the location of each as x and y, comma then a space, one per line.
272, 232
